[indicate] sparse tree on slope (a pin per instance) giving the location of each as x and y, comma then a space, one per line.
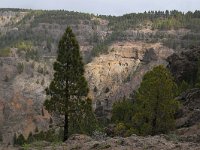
67, 93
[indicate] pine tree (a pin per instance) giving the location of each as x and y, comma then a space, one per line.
155, 103
67, 93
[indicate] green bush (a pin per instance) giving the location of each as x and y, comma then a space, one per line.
5, 52
24, 46
122, 112
51, 136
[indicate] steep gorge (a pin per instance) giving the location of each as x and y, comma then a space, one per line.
28, 50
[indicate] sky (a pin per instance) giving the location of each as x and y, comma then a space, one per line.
104, 7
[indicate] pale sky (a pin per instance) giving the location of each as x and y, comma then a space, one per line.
104, 7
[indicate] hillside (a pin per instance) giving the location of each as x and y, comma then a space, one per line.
117, 51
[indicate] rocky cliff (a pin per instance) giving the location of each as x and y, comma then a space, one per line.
118, 73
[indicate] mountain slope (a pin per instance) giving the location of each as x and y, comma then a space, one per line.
117, 52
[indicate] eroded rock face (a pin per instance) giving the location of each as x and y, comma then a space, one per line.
115, 75
21, 99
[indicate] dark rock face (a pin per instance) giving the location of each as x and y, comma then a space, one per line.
191, 99
150, 55
190, 112
184, 65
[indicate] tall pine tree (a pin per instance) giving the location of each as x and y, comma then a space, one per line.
67, 92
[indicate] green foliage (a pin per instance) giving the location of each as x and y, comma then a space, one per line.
27, 47
123, 130
45, 21
120, 129
83, 120
24, 46
183, 87
67, 93
26, 146
122, 112
168, 23
155, 104
5, 52
49, 135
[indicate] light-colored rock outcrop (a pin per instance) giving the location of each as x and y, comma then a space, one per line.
116, 74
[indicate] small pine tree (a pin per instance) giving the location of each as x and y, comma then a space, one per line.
155, 103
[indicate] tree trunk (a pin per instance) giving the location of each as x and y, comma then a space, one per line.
66, 128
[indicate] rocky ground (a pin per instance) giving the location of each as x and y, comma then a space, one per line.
83, 142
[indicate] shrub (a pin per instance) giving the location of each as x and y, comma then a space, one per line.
5, 52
